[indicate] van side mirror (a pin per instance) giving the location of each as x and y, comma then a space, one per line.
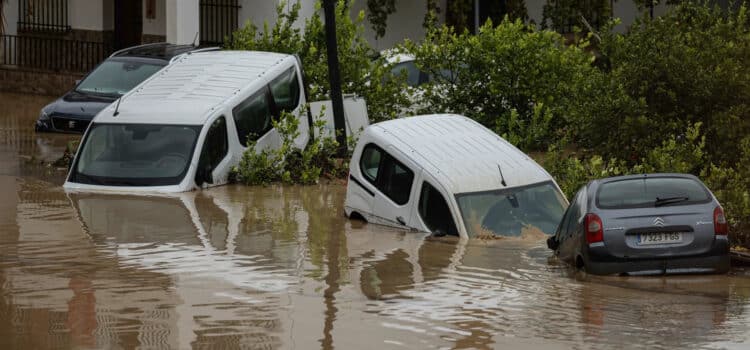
552, 243
204, 175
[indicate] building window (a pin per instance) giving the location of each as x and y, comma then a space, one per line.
43, 16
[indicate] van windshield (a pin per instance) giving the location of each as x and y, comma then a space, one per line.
511, 212
135, 154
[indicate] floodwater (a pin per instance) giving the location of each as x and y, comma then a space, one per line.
280, 267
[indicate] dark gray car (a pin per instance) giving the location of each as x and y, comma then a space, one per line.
644, 224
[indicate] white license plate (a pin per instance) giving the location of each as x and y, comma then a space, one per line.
659, 238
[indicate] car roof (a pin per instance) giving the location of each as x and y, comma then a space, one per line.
187, 91
459, 152
162, 51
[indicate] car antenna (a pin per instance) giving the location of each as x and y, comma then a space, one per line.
195, 39
502, 178
117, 107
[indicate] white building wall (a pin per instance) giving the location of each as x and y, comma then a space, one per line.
405, 23
86, 14
157, 25
259, 12
182, 21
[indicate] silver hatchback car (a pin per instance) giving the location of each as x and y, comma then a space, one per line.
644, 225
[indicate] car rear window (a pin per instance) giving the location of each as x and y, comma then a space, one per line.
651, 192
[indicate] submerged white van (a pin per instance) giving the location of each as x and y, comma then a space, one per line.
448, 174
187, 125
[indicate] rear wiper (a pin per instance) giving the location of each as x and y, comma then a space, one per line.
669, 200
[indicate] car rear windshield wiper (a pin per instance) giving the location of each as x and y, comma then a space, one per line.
669, 200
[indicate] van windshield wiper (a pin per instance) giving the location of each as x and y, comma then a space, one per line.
669, 200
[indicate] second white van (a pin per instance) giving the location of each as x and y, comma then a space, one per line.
447, 174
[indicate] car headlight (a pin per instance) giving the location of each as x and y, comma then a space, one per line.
43, 116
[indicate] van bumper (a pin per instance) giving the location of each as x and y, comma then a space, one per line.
600, 262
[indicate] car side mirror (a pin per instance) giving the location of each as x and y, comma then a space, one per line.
78, 81
552, 243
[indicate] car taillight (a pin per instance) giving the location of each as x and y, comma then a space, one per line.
594, 228
720, 222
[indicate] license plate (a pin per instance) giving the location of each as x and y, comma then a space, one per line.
659, 238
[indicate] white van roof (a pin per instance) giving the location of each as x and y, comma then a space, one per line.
188, 90
459, 152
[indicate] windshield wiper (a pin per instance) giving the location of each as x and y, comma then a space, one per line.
669, 200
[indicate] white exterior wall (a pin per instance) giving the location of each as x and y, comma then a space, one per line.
86, 14
259, 11
182, 21
157, 25
405, 23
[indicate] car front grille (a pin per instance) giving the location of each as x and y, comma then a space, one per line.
70, 124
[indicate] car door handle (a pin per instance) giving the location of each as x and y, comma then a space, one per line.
401, 221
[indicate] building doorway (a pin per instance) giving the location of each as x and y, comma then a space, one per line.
128, 23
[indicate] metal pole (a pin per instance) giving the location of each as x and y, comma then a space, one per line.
334, 77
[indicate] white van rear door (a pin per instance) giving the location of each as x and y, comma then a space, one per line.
355, 115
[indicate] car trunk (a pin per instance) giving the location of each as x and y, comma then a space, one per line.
679, 230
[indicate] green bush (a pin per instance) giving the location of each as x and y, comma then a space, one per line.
521, 82
690, 65
289, 164
360, 73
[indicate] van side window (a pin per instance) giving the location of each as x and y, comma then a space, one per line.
253, 117
388, 175
434, 211
286, 91
370, 162
215, 147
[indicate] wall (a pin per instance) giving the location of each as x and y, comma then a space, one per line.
628, 12
34, 82
258, 11
405, 23
10, 11
158, 25
86, 14
182, 21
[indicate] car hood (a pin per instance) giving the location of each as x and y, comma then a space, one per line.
79, 105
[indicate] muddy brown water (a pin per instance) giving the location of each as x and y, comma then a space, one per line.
280, 267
